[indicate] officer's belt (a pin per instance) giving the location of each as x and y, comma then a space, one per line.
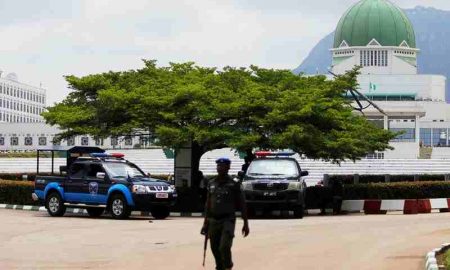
223, 217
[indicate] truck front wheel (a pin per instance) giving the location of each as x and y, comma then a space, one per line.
299, 211
55, 205
119, 207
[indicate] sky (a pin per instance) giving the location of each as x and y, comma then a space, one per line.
42, 41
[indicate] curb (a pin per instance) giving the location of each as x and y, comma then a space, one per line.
430, 258
83, 211
408, 206
134, 213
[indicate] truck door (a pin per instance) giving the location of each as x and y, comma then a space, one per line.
95, 188
73, 187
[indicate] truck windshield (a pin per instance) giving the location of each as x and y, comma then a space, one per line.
273, 167
122, 170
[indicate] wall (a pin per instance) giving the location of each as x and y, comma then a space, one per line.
403, 150
424, 86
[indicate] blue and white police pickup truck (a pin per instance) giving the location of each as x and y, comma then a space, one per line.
100, 182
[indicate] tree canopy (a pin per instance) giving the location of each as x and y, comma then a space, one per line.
242, 108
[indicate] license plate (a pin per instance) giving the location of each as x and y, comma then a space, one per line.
270, 194
162, 195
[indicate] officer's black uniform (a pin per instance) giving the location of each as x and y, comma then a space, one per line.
224, 198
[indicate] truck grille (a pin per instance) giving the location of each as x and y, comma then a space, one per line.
159, 188
270, 186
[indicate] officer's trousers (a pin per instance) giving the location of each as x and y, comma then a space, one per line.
221, 234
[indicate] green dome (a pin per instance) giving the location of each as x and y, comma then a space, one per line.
374, 19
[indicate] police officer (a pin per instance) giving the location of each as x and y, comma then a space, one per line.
224, 198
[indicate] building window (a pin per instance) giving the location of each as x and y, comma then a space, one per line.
85, 141
2, 140
56, 142
14, 141
375, 156
373, 58
42, 141
439, 137
71, 141
425, 136
128, 141
113, 141
28, 141
409, 134
98, 141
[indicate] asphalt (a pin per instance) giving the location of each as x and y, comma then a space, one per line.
33, 240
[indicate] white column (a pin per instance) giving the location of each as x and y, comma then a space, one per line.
447, 137
417, 129
386, 122
432, 140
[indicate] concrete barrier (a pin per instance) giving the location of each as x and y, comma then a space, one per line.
408, 206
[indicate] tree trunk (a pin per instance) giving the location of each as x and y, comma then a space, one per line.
197, 153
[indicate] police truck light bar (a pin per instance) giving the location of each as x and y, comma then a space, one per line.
106, 155
273, 154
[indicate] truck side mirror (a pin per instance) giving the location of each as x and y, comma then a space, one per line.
62, 169
304, 173
100, 175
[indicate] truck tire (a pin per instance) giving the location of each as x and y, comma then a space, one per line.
160, 212
251, 212
54, 204
299, 211
119, 207
95, 212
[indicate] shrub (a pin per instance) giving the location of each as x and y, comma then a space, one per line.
401, 190
17, 176
15, 192
374, 178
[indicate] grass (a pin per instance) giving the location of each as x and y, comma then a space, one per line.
425, 152
447, 259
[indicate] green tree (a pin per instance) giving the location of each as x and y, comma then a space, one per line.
242, 108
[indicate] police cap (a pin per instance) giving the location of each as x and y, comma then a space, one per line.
223, 161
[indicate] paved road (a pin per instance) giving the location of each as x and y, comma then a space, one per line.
32, 240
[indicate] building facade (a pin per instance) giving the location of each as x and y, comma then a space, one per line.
32, 136
19, 102
377, 36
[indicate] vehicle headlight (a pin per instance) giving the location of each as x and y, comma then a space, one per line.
247, 186
139, 189
295, 186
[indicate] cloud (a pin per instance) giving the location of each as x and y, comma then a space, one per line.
44, 40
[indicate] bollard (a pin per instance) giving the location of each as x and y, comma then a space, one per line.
356, 179
387, 178
326, 180
416, 178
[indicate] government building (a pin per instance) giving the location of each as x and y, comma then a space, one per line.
19, 102
22, 128
377, 36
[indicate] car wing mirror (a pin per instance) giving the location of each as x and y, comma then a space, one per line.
100, 175
63, 170
304, 173
241, 175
